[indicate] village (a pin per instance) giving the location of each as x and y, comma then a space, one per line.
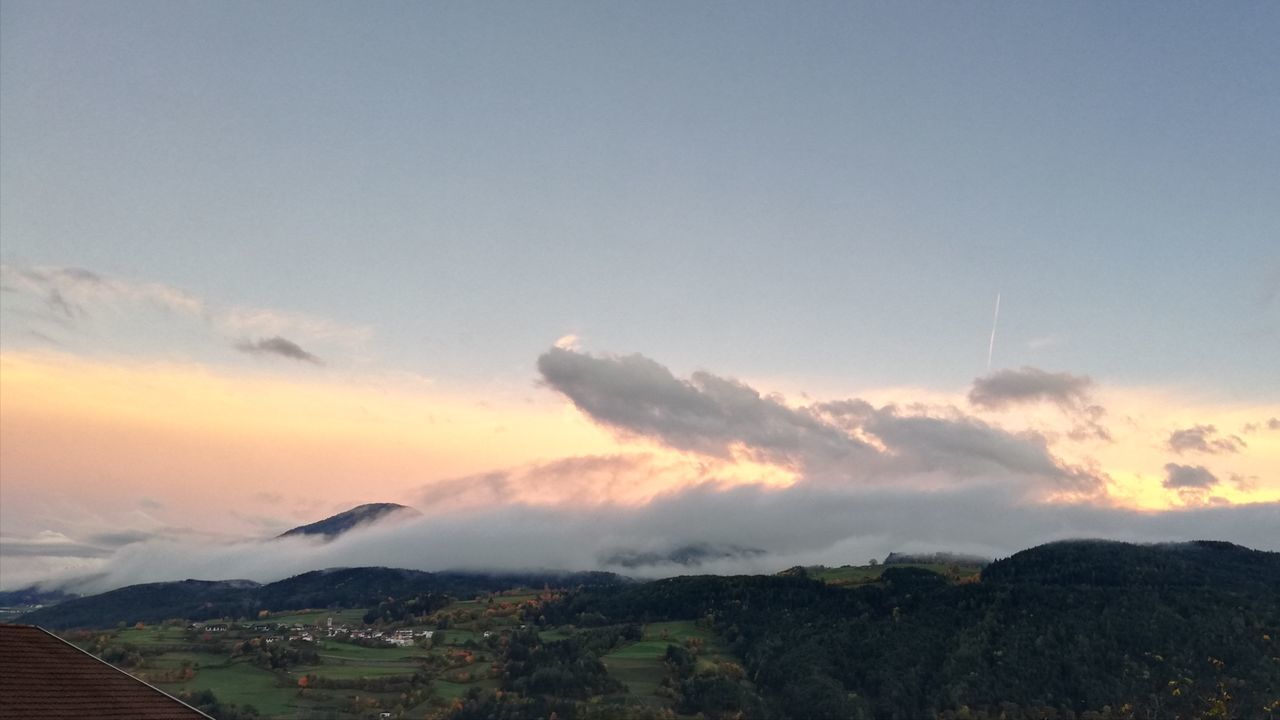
270, 633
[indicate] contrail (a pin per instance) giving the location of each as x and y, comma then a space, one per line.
991, 347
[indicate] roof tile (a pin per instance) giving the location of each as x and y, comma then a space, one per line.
43, 676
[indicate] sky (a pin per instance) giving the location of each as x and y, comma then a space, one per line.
578, 280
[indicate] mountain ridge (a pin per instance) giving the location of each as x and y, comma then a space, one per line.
347, 520
332, 587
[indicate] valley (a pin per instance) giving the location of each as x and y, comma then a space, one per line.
1080, 630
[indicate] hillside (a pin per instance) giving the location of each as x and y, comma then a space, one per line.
1099, 563
1067, 630
197, 599
333, 588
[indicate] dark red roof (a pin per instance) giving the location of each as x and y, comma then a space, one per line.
42, 677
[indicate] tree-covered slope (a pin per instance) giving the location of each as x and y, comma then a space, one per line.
1056, 631
151, 602
1101, 563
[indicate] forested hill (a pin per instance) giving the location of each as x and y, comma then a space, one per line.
1067, 630
336, 588
1100, 563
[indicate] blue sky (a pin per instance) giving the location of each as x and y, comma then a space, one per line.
831, 191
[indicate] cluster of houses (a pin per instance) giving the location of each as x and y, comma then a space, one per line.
402, 637
278, 632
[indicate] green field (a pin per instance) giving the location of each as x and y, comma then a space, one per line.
174, 659
153, 635
242, 683
353, 672
640, 665
317, 617
348, 652
517, 597
236, 680
459, 636
450, 690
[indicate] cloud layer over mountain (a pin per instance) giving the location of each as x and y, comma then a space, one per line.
835, 481
797, 525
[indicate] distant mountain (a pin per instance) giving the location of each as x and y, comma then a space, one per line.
335, 525
336, 588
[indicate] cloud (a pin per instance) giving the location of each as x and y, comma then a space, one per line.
705, 414
278, 346
1201, 438
1269, 424
568, 342
1188, 476
968, 447
76, 293
720, 465
105, 310
242, 321
839, 442
1244, 483
1070, 393
117, 539
1027, 385
590, 480
49, 544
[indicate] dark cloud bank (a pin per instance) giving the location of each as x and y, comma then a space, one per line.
1188, 476
279, 346
871, 480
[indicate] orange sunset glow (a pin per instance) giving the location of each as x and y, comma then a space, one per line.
98, 430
